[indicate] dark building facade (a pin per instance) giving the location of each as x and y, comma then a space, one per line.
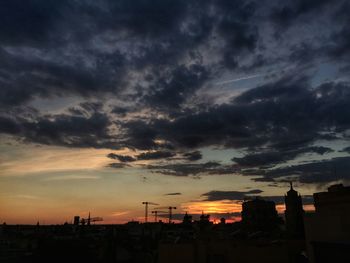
327, 231
294, 214
187, 220
336, 200
259, 214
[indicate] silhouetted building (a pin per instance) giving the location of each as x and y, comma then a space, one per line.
204, 218
187, 220
259, 214
224, 251
337, 199
327, 231
294, 214
76, 220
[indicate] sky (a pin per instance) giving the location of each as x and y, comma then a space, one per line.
197, 104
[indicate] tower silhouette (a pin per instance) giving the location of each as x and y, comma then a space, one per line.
187, 220
294, 214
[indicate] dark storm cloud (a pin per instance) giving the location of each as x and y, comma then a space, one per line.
174, 194
158, 58
193, 169
38, 36
175, 86
318, 172
29, 22
274, 157
117, 165
120, 111
340, 46
229, 195
193, 156
335, 44
49, 26
246, 195
24, 78
64, 47
8, 125
63, 130
68, 130
121, 158
155, 155
140, 135
33, 22
289, 11
238, 31
346, 149
287, 115
86, 108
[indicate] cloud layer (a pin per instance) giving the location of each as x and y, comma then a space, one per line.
151, 76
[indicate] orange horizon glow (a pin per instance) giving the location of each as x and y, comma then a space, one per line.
209, 207
230, 210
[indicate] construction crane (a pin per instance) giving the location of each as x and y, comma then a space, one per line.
146, 209
90, 219
170, 209
155, 212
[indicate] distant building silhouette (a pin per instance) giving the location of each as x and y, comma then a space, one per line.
257, 238
187, 220
336, 200
76, 220
204, 218
259, 214
294, 214
327, 231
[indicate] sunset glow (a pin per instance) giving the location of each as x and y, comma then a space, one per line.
198, 105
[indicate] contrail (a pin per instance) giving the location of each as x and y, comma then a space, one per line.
238, 79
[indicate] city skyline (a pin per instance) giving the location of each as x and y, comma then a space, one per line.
190, 104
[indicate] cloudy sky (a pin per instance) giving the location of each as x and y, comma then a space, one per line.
197, 104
